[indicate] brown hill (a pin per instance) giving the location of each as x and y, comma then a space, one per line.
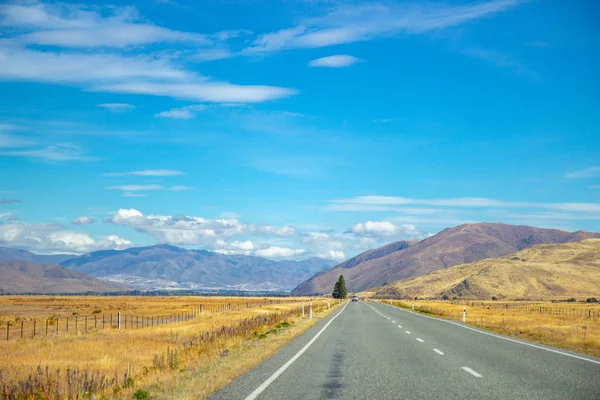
26, 277
307, 287
541, 272
452, 246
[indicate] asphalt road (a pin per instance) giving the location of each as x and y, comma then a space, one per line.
374, 351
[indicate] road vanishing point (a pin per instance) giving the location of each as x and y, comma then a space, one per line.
369, 350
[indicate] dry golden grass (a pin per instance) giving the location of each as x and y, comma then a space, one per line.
565, 325
135, 352
548, 271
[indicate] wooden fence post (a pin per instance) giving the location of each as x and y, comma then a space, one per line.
21, 329
85, 329
34, 324
7, 330
46, 326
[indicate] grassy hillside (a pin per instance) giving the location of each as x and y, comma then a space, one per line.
540, 272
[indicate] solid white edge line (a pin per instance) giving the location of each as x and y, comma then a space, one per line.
497, 336
285, 366
439, 352
420, 340
469, 370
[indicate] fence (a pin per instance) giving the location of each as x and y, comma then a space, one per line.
581, 311
84, 324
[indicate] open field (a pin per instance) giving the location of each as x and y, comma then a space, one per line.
116, 363
573, 326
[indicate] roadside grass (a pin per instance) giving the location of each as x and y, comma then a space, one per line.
122, 364
569, 328
213, 371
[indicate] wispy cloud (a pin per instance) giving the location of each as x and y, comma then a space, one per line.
392, 203
29, 27
384, 120
83, 221
143, 188
117, 106
367, 21
212, 55
9, 201
55, 153
337, 61
80, 26
502, 60
148, 172
187, 112
592, 172
206, 91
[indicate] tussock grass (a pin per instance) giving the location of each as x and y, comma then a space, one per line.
565, 325
117, 364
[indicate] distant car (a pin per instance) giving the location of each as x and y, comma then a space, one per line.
354, 298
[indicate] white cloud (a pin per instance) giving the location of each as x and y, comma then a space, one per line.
142, 188
279, 252
52, 238
55, 153
392, 203
148, 172
212, 55
195, 230
592, 172
83, 221
367, 21
117, 35
132, 194
202, 91
117, 106
80, 26
35, 36
337, 61
186, 112
52, 67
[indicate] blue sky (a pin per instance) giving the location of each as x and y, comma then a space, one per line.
296, 128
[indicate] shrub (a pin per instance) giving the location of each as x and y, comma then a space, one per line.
140, 395
591, 300
572, 300
494, 298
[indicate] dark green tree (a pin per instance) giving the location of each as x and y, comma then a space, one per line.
343, 291
339, 290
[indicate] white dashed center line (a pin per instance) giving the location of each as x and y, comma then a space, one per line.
469, 370
393, 322
439, 352
407, 332
420, 340
399, 326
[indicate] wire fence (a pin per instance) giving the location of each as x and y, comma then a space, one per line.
85, 324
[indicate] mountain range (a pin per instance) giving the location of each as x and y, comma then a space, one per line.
170, 267
26, 277
544, 271
452, 246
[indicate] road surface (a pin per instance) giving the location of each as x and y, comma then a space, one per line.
375, 351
